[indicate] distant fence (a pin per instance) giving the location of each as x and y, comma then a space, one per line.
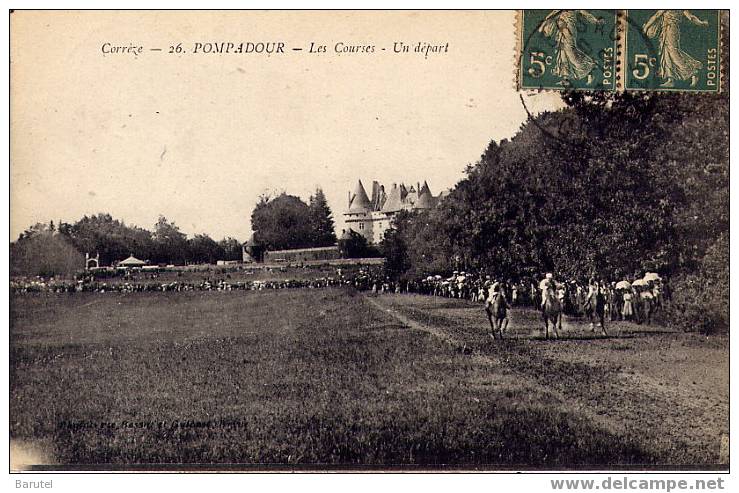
338, 262
302, 255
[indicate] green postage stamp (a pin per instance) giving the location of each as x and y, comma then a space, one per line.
563, 49
673, 50
608, 50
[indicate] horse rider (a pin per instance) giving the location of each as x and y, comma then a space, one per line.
497, 290
590, 297
550, 284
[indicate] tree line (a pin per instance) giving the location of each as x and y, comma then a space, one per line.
280, 222
53, 249
611, 185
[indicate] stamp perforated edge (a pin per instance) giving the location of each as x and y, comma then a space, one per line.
620, 58
518, 50
518, 57
721, 70
721, 41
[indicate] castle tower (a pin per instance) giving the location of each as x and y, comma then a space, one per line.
358, 215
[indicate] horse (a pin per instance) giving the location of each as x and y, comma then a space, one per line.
551, 312
496, 311
595, 308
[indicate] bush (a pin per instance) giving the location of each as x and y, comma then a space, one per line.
700, 300
44, 254
356, 246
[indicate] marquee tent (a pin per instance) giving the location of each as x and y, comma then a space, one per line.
131, 262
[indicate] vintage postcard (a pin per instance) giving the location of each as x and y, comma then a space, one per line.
346, 240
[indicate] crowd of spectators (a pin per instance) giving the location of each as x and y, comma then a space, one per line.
628, 299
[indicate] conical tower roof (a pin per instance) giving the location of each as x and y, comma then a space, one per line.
360, 202
424, 189
425, 200
393, 203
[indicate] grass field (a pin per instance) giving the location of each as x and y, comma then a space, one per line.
335, 377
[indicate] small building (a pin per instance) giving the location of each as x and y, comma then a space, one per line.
92, 262
251, 251
227, 262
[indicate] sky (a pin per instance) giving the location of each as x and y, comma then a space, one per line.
199, 137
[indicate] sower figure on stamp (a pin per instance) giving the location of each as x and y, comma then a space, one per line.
571, 62
674, 63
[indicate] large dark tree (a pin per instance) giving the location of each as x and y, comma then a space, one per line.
282, 222
231, 248
415, 246
202, 249
321, 221
170, 244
